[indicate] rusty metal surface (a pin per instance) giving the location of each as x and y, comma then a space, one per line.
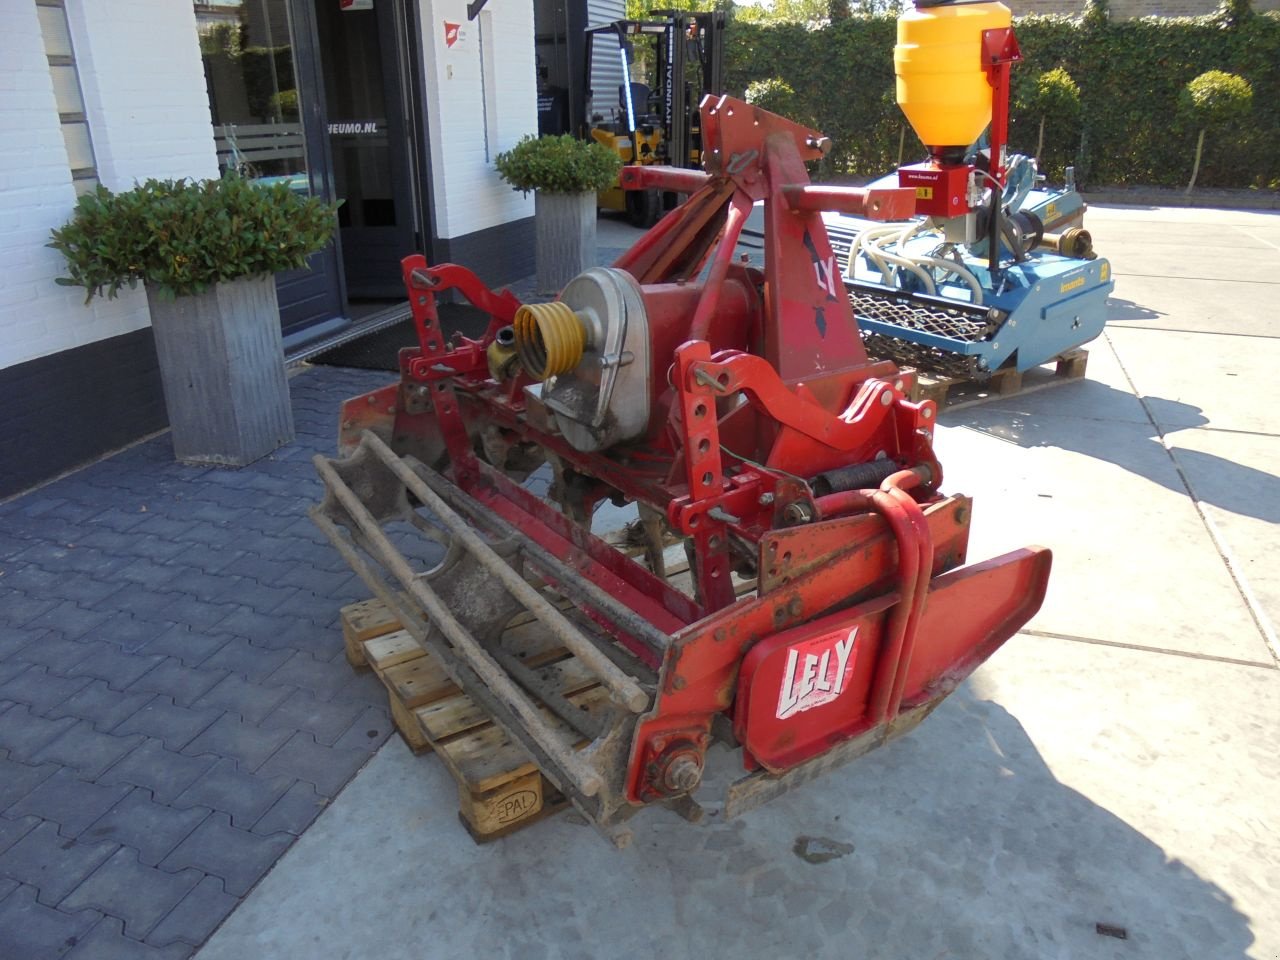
623, 688
873, 203
570, 583
760, 787
345, 506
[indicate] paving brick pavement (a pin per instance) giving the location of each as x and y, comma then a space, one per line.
175, 708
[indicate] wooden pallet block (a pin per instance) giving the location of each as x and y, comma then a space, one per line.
450, 716
954, 392
408, 727
391, 649
411, 678
417, 682
363, 621
485, 757
508, 808
499, 788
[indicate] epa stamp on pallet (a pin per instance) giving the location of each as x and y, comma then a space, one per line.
499, 789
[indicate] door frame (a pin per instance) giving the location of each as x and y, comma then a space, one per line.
313, 110
404, 123
413, 71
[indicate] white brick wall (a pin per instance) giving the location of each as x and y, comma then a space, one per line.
144, 91
467, 192
148, 111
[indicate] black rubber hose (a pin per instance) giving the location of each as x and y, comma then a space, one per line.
993, 236
860, 476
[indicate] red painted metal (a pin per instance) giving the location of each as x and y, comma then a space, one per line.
709, 302
502, 306
873, 203
941, 190
758, 382
658, 177
372, 411
1007, 592
805, 572
1000, 52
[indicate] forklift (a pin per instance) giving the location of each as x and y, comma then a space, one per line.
655, 123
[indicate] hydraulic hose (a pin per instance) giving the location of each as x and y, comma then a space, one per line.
868, 243
878, 254
549, 339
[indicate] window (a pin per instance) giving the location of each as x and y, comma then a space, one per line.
66, 89
253, 93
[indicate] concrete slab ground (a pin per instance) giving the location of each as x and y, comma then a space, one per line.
174, 708
1112, 772
1064, 787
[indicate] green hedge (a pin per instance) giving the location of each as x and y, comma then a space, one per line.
1130, 74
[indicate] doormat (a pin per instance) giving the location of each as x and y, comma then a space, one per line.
380, 350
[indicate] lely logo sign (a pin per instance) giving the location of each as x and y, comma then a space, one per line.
452, 33
817, 672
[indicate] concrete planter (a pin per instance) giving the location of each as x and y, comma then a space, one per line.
566, 237
222, 365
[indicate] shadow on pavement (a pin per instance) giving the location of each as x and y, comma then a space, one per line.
1229, 485
1213, 479
956, 842
1118, 311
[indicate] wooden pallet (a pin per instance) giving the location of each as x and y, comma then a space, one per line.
953, 392
499, 789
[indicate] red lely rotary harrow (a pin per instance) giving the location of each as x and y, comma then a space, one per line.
741, 413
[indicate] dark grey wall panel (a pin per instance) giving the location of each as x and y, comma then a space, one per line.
498, 255
65, 409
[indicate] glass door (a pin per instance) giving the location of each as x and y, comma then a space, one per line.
252, 76
362, 62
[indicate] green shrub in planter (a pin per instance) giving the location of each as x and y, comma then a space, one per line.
565, 174
562, 164
206, 252
182, 236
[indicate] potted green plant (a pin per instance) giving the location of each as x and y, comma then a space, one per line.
565, 175
205, 252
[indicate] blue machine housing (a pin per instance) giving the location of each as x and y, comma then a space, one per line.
1035, 309
1045, 305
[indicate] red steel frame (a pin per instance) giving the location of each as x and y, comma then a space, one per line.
1000, 52
760, 382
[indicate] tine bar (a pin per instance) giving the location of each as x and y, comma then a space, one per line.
457, 669
625, 689
346, 548
581, 722
566, 580
585, 779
